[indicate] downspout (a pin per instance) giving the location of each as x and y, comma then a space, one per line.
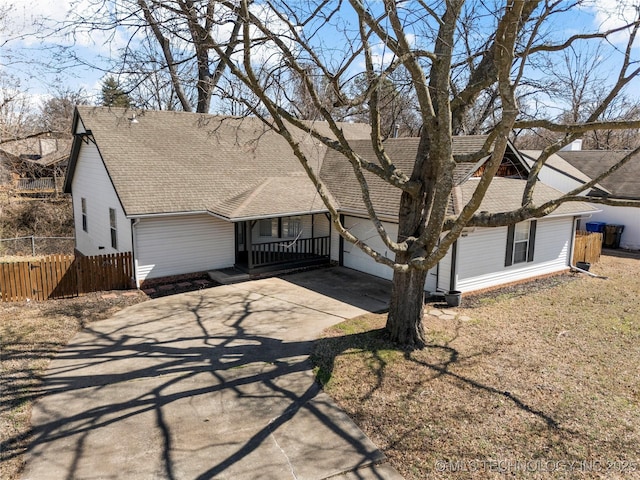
454, 267
134, 223
574, 228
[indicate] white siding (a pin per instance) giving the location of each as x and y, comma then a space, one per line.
182, 244
480, 256
358, 260
444, 273
627, 216
90, 181
558, 180
321, 225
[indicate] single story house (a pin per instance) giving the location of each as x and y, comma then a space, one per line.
573, 167
624, 184
193, 192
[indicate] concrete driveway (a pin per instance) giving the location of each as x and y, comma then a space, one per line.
207, 384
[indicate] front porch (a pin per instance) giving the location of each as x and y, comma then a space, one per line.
302, 242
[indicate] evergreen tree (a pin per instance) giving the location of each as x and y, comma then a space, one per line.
113, 95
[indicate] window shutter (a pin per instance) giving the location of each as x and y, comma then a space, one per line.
532, 240
508, 258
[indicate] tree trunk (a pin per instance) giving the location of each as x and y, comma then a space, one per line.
406, 309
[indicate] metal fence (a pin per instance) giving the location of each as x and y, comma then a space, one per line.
36, 246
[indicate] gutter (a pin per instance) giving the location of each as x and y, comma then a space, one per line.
222, 217
175, 214
281, 215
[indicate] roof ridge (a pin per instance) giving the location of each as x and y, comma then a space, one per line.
256, 191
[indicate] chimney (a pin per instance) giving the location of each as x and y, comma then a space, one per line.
574, 146
396, 130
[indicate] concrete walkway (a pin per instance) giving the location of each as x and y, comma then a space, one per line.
208, 384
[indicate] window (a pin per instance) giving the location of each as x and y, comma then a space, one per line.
291, 227
520, 243
269, 227
114, 230
83, 203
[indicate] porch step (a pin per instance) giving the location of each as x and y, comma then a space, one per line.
227, 276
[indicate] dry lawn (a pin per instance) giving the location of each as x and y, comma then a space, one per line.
30, 334
540, 381
546, 372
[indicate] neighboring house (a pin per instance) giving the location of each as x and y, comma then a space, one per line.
624, 184
35, 164
573, 167
191, 192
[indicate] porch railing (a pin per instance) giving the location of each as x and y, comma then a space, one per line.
285, 251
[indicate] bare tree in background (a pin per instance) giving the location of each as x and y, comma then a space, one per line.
168, 53
578, 88
17, 118
56, 113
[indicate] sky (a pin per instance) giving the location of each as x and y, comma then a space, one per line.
30, 59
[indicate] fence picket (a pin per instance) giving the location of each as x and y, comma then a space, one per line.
59, 276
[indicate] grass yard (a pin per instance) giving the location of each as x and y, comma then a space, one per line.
536, 381
30, 335
525, 380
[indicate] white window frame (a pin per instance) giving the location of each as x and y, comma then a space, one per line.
292, 226
113, 228
85, 217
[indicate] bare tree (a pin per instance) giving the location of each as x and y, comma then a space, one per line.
449, 77
173, 39
56, 113
17, 117
623, 108
467, 65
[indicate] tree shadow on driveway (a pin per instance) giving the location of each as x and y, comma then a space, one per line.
201, 385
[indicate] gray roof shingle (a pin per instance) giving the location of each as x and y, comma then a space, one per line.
171, 162
624, 183
238, 168
503, 195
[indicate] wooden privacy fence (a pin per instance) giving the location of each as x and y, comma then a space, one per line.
587, 247
61, 276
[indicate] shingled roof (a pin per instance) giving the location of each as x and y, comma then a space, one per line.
505, 194
338, 174
623, 184
169, 162
237, 168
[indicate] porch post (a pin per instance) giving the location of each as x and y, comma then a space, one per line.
341, 244
249, 244
313, 236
